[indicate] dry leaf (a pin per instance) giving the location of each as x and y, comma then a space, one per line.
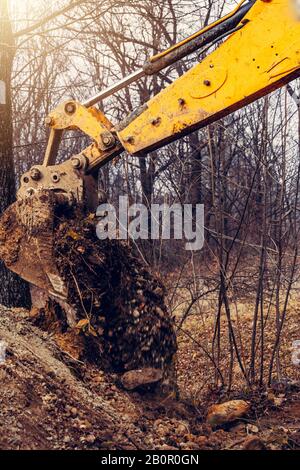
73, 235
82, 323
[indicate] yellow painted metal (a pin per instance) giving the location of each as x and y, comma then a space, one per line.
262, 56
72, 115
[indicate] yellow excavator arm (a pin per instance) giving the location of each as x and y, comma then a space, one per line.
258, 58
260, 53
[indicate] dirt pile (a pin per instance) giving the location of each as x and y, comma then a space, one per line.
43, 402
50, 401
114, 314
118, 301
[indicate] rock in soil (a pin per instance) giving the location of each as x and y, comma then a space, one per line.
253, 443
227, 412
137, 378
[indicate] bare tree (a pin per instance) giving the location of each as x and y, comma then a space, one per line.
13, 291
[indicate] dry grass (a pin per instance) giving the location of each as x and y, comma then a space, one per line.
196, 370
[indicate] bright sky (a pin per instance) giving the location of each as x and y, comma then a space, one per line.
27, 11
30, 10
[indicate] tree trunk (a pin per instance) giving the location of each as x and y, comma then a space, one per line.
13, 291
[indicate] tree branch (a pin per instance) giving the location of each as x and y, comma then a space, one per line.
48, 18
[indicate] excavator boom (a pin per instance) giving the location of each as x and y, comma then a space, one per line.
261, 53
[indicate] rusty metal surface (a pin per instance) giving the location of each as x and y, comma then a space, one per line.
36, 262
63, 179
73, 115
68, 183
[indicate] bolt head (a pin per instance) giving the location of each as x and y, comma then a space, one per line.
107, 139
70, 108
30, 191
55, 177
48, 121
156, 121
35, 174
76, 163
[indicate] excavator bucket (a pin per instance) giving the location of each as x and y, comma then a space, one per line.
31, 255
27, 248
91, 292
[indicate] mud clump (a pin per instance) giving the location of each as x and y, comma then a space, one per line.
121, 308
114, 315
11, 234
